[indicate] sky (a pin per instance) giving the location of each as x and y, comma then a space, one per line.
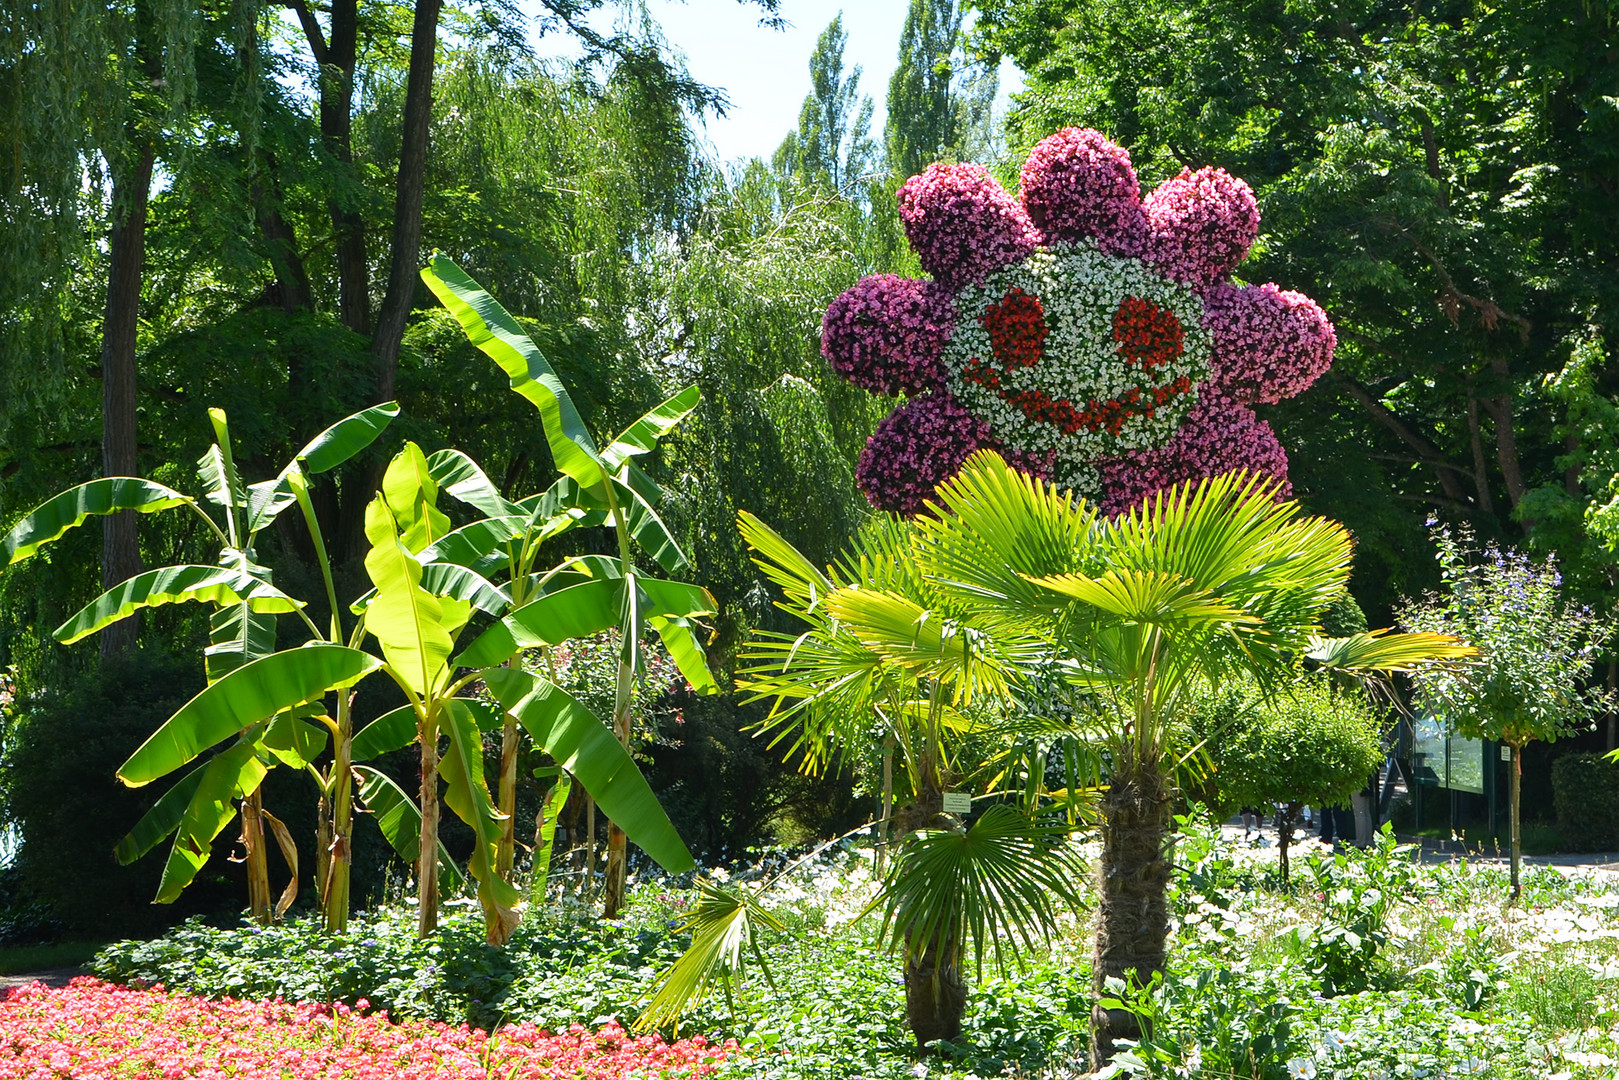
766, 72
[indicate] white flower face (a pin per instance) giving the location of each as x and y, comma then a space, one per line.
1079, 355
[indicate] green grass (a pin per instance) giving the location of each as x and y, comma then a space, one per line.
21, 959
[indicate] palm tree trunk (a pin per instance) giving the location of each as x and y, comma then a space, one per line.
1133, 921
935, 995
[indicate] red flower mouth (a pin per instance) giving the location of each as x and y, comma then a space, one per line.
1148, 337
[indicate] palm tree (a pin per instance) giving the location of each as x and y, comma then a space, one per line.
1098, 629
1202, 582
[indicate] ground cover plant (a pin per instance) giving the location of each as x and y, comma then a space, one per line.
1370, 965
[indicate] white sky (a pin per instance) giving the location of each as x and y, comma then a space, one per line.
766, 72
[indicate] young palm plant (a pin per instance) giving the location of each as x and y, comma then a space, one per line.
1199, 583
854, 680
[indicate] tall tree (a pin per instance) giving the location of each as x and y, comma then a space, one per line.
834, 126
938, 103
1441, 178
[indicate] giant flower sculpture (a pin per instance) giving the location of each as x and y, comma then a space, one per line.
1090, 335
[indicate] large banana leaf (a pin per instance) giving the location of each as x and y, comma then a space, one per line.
491, 328
237, 635
57, 515
218, 585
325, 451
484, 547
346, 438
679, 636
642, 436
391, 731
587, 750
232, 775
253, 692
406, 619
581, 610
449, 581
161, 820
459, 477
400, 820
411, 494
466, 793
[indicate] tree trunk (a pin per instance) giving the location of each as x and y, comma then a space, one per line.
258, 862
1517, 785
335, 890
292, 288
1133, 917
403, 277
883, 825
120, 542
1285, 817
935, 995
427, 857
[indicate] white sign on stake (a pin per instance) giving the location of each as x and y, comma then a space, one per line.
957, 802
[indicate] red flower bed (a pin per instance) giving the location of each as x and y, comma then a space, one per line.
91, 1030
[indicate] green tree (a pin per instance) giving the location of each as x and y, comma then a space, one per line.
1535, 650
938, 103
1439, 178
834, 126
1299, 744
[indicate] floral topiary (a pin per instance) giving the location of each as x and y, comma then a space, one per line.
1090, 335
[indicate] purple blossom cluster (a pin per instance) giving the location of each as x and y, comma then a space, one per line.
1202, 224
1218, 436
886, 334
1079, 184
917, 447
1269, 343
962, 224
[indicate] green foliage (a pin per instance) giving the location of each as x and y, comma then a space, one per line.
1357, 895
938, 103
1299, 743
1585, 796
1535, 647
833, 141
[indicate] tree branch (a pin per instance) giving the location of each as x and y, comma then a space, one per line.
1430, 454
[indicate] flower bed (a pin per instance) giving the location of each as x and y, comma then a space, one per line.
91, 1030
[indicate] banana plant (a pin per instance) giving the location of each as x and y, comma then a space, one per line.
415, 613
242, 631
598, 486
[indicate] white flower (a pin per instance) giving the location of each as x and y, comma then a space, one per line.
919, 1070
1301, 1069
1332, 1041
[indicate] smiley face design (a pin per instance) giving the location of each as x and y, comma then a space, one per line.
1089, 335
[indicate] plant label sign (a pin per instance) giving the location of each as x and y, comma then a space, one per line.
957, 802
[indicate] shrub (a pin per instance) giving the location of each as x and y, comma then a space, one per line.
1585, 794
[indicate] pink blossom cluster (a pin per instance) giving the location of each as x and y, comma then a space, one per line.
1269, 343
1082, 244
962, 224
91, 1030
886, 333
1202, 224
1079, 184
1218, 436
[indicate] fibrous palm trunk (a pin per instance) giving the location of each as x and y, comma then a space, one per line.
935, 995
1133, 923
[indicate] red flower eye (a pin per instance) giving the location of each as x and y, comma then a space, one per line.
1149, 336
1017, 329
